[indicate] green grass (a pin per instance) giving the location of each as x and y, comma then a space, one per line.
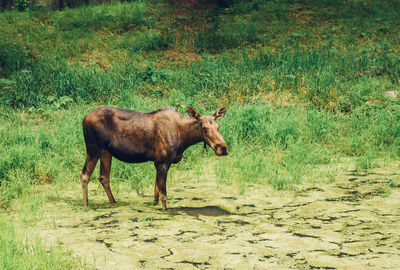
22, 251
115, 17
265, 143
305, 84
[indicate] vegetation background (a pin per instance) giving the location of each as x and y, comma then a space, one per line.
306, 83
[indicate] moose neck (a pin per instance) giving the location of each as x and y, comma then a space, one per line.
190, 133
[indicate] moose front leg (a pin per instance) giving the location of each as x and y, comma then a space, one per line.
156, 194
161, 183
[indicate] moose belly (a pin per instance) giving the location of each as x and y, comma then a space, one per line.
126, 155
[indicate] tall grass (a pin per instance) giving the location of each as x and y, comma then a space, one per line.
81, 53
301, 89
330, 80
113, 16
268, 144
147, 41
216, 38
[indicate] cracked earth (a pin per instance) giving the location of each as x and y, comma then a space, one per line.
351, 223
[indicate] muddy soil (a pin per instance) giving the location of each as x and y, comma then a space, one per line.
352, 223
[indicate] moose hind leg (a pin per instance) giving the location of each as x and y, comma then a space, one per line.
87, 171
105, 169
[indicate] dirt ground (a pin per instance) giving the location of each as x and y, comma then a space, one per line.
351, 223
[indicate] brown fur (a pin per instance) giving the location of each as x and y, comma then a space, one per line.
161, 136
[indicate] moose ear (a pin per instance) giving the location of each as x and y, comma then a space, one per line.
193, 113
220, 113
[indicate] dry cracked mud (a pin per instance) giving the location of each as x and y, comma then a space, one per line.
351, 223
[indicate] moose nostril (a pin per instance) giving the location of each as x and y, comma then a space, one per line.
221, 150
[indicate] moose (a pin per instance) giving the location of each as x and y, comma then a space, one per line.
161, 136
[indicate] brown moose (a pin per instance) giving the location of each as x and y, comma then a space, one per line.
160, 136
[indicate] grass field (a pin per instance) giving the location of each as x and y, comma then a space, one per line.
305, 82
